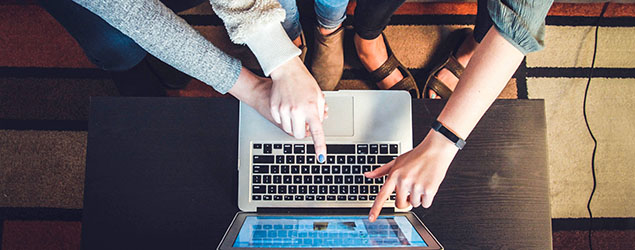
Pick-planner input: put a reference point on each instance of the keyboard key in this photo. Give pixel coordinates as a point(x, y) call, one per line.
point(341, 197)
point(333, 189)
point(308, 179)
point(372, 197)
point(257, 146)
point(261, 169)
point(326, 169)
point(379, 180)
point(277, 179)
point(295, 169)
point(282, 189)
point(256, 197)
point(323, 189)
point(298, 148)
point(315, 169)
point(374, 148)
point(362, 149)
point(359, 179)
point(330, 159)
point(354, 189)
point(352, 197)
point(290, 159)
point(357, 169)
point(341, 159)
point(287, 179)
point(297, 179)
point(363, 197)
point(340, 149)
point(350, 159)
point(310, 159)
point(368, 180)
point(277, 146)
point(363, 189)
point(343, 189)
point(317, 179)
point(393, 197)
point(299, 159)
point(266, 197)
point(266, 149)
point(292, 189)
point(271, 189)
point(348, 179)
point(330, 197)
point(275, 169)
point(263, 159)
point(374, 189)
point(328, 179)
point(394, 149)
point(310, 197)
point(366, 168)
point(284, 169)
point(335, 169)
point(288, 197)
point(361, 159)
point(371, 159)
point(256, 179)
point(287, 148)
point(385, 159)
point(277, 197)
point(320, 197)
point(312, 189)
point(258, 189)
point(299, 197)
point(266, 179)
point(306, 169)
point(383, 149)
point(338, 179)
point(346, 169)
point(310, 149)
point(279, 159)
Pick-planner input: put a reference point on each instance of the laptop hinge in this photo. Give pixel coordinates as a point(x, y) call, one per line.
point(283, 210)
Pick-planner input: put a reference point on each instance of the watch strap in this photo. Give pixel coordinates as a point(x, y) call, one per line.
point(439, 127)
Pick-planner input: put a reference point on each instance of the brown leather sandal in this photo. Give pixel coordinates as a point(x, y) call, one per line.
point(450, 63)
point(407, 83)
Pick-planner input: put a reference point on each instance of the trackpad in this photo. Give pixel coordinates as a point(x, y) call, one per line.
point(340, 121)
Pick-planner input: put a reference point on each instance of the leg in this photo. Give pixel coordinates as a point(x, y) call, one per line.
point(371, 18)
point(327, 63)
point(291, 23)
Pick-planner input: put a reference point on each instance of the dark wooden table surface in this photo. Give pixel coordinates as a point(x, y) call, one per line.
point(162, 174)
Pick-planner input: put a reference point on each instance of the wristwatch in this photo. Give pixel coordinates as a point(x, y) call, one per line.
point(458, 141)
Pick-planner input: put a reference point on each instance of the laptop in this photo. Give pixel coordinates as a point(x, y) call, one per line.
point(290, 201)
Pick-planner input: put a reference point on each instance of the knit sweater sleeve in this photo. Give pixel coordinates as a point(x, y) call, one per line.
point(258, 24)
point(168, 37)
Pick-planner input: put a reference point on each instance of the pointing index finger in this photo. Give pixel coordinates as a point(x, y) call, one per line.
point(381, 198)
point(317, 134)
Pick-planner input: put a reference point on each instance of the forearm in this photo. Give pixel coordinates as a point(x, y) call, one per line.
point(494, 62)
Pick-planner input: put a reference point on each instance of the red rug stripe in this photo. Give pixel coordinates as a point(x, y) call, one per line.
point(30, 37)
point(37, 235)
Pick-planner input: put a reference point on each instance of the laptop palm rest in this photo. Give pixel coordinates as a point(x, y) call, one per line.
point(340, 118)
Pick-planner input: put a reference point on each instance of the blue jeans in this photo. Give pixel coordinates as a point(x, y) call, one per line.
point(329, 13)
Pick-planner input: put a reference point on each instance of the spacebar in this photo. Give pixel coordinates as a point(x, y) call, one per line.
point(334, 149)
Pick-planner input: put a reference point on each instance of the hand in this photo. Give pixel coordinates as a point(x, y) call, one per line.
point(297, 101)
point(415, 175)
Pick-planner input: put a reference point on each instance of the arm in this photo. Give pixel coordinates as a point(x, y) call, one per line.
point(296, 100)
point(421, 171)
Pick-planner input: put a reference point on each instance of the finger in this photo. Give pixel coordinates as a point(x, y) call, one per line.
point(426, 200)
point(403, 190)
point(317, 134)
point(285, 118)
point(275, 113)
point(321, 107)
point(381, 198)
point(415, 195)
point(380, 171)
point(298, 120)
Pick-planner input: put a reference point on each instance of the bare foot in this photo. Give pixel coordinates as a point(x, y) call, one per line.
point(298, 41)
point(463, 55)
point(373, 54)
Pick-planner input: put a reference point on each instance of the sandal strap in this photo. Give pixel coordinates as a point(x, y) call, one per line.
point(453, 65)
point(385, 69)
point(407, 83)
point(439, 87)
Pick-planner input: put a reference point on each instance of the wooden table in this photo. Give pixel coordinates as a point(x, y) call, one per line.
point(162, 174)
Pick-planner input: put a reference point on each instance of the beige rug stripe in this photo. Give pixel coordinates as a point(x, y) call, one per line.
point(610, 108)
point(42, 168)
point(571, 46)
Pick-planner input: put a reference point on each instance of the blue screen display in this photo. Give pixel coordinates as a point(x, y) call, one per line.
point(327, 231)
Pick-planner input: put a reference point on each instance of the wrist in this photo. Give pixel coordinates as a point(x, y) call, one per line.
point(437, 143)
point(286, 68)
point(246, 88)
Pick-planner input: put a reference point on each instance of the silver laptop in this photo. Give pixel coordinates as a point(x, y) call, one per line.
point(289, 200)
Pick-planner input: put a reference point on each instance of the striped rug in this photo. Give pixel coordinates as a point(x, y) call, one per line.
point(45, 83)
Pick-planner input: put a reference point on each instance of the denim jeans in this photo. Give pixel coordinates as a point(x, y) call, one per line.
point(329, 13)
point(104, 45)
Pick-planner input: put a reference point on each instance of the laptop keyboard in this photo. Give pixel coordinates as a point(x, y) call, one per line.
point(290, 172)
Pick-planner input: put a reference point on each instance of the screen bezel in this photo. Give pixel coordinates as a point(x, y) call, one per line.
point(232, 232)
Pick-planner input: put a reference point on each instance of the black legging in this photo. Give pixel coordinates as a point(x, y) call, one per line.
point(372, 16)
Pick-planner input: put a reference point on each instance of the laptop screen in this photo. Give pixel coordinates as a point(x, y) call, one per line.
point(327, 232)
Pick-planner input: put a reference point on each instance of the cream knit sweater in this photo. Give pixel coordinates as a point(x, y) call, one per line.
point(256, 23)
